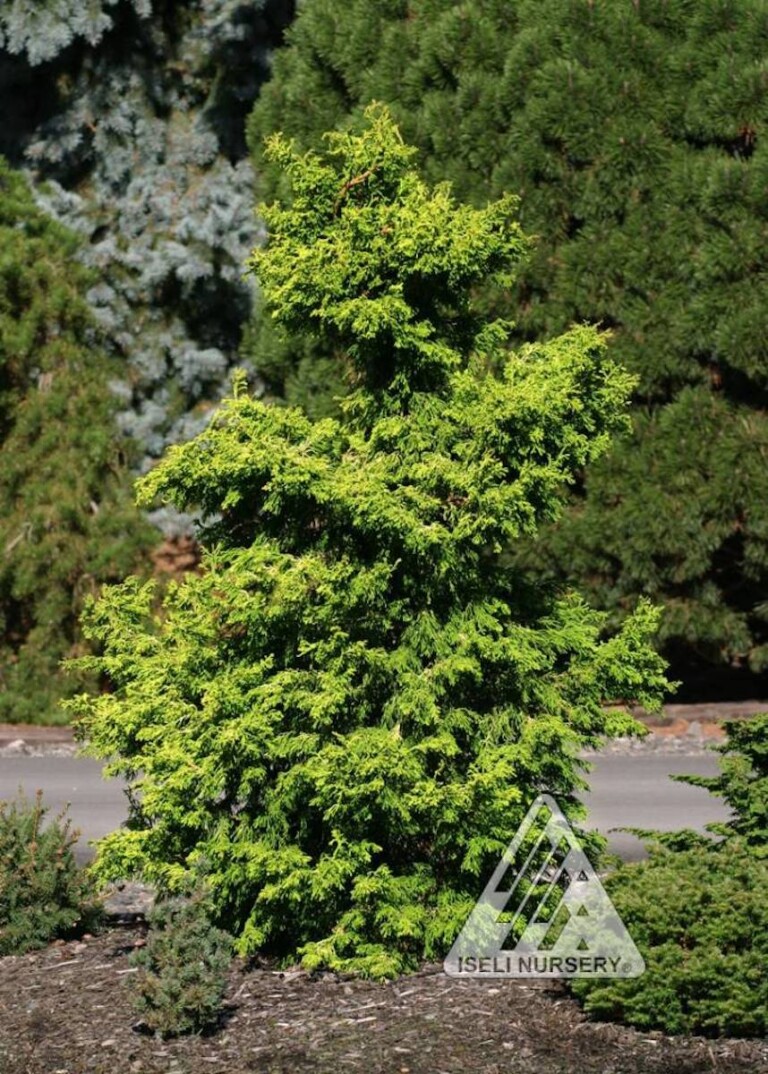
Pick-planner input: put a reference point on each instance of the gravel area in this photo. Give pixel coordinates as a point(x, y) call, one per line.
point(694, 740)
point(19, 747)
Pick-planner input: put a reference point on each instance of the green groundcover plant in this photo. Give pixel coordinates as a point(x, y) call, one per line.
point(347, 712)
point(698, 910)
point(43, 891)
point(700, 919)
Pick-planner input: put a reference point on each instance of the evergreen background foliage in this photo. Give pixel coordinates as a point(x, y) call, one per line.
point(122, 293)
point(129, 118)
point(67, 518)
point(635, 137)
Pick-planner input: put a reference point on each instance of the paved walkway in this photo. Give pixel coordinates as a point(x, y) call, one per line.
point(628, 788)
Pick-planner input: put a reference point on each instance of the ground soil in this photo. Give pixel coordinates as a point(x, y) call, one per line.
point(66, 1010)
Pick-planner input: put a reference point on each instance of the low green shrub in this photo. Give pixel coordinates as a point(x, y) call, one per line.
point(742, 783)
point(43, 892)
point(183, 968)
point(700, 920)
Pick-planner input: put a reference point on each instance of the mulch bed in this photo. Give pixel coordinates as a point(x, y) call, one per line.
point(66, 1010)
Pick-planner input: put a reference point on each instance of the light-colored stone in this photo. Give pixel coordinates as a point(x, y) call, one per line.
point(18, 746)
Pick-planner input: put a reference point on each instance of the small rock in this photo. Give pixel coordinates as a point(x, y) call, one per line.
point(128, 900)
point(18, 746)
point(109, 1043)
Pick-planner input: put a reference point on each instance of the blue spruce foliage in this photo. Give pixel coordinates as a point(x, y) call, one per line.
point(131, 132)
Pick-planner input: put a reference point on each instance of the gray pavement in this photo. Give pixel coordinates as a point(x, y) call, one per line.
point(634, 791)
point(97, 806)
point(627, 789)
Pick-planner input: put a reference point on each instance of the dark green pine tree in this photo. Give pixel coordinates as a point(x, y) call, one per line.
point(635, 135)
point(67, 521)
point(346, 714)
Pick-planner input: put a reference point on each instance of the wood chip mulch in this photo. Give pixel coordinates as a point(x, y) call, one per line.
point(66, 1010)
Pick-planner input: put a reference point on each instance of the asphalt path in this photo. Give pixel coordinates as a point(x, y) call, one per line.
point(634, 790)
point(97, 806)
point(627, 790)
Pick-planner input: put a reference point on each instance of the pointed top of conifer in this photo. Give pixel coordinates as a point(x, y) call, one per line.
point(380, 263)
